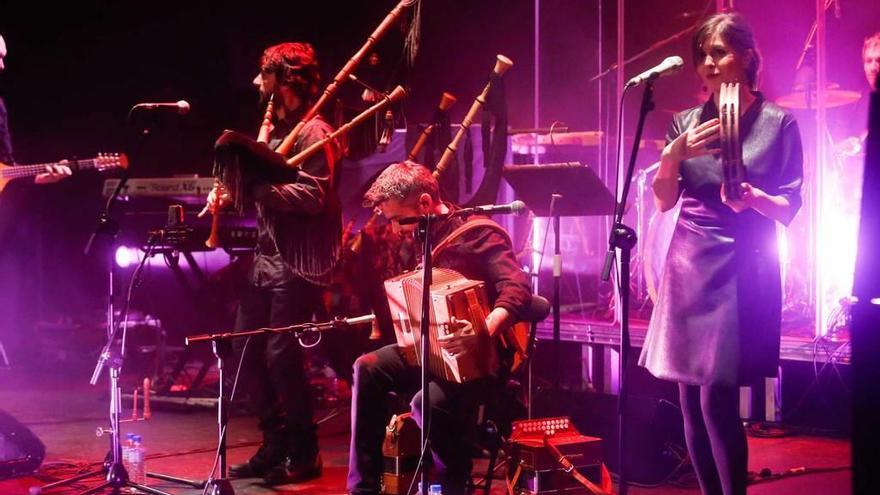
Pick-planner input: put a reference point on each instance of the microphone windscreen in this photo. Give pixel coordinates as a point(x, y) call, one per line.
point(175, 216)
point(360, 320)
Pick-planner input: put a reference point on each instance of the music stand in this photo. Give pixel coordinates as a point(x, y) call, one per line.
point(554, 190)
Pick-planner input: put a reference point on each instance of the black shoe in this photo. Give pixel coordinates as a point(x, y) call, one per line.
point(291, 471)
point(257, 466)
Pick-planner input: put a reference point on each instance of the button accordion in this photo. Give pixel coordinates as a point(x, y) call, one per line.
point(452, 295)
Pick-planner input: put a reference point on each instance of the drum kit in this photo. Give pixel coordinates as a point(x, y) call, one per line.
point(801, 99)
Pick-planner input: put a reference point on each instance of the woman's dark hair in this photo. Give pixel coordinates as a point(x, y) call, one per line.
point(737, 33)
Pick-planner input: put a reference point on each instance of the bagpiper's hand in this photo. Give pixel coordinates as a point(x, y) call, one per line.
point(218, 198)
point(54, 173)
point(748, 194)
point(460, 341)
point(694, 141)
point(370, 96)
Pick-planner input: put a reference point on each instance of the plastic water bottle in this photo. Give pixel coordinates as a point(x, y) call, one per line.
point(435, 490)
point(138, 470)
point(126, 451)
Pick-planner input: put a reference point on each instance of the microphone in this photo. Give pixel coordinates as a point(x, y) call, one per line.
point(181, 107)
point(670, 65)
point(357, 320)
point(174, 233)
point(515, 207)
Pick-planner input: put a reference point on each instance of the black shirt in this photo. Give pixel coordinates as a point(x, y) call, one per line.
point(299, 222)
point(5, 139)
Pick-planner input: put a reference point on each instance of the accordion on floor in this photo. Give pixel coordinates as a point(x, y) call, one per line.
point(452, 295)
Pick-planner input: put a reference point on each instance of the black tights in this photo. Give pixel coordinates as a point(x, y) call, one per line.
point(715, 436)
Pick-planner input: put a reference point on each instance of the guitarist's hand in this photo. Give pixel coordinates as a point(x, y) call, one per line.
point(53, 173)
point(218, 198)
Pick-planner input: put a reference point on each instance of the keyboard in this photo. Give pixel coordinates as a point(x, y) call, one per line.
point(186, 189)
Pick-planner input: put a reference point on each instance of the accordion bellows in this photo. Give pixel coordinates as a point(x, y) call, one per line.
point(452, 295)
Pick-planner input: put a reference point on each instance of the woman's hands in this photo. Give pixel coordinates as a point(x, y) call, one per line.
point(749, 196)
point(694, 141)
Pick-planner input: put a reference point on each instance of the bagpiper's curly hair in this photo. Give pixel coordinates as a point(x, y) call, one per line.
point(295, 65)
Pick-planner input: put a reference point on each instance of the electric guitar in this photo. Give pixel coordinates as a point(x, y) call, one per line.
point(101, 163)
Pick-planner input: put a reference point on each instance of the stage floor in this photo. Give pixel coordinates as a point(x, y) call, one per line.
point(64, 411)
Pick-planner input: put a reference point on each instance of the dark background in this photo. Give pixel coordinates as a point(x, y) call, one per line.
point(76, 68)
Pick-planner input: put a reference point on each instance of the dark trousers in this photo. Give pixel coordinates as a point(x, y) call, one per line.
point(453, 416)
point(715, 437)
point(273, 367)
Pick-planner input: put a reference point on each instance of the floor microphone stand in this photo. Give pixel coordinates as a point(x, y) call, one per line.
point(113, 468)
point(222, 346)
point(557, 289)
point(624, 238)
point(116, 475)
point(424, 231)
point(219, 485)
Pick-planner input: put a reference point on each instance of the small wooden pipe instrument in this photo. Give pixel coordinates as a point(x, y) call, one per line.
point(213, 240)
point(502, 63)
point(397, 94)
point(287, 144)
point(446, 101)
point(266, 126)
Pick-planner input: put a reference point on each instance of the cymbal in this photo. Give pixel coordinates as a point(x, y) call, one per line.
point(833, 98)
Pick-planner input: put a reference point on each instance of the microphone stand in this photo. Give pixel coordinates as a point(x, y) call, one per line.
point(222, 347)
point(424, 231)
point(624, 238)
point(116, 474)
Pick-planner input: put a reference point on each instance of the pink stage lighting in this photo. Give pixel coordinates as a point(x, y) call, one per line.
point(127, 256)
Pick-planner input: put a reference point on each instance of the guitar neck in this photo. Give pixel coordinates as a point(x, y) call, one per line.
point(18, 171)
